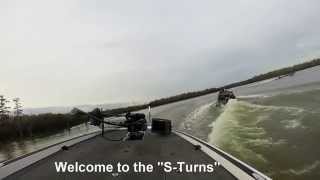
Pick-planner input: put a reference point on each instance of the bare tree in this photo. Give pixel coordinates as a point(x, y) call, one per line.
point(4, 109)
point(17, 114)
point(17, 107)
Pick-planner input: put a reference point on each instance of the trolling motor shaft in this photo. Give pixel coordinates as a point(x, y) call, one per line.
point(135, 123)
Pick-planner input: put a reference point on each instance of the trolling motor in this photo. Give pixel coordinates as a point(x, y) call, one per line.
point(135, 123)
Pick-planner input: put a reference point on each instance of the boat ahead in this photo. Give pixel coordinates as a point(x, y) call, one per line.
point(224, 96)
point(155, 153)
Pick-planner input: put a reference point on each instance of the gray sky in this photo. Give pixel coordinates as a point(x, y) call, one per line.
point(59, 53)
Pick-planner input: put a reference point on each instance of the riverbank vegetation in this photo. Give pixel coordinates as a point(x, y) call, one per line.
point(34, 125)
point(29, 125)
point(16, 125)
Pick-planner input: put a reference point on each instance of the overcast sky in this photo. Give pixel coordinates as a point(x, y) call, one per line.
point(71, 52)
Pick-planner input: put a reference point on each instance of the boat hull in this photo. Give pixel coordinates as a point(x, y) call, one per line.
point(154, 148)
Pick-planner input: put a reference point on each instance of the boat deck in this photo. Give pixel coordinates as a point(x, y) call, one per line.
point(101, 150)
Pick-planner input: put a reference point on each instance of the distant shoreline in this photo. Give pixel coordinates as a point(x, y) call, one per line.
point(50, 123)
point(279, 73)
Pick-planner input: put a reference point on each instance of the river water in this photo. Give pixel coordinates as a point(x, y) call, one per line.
point(274, 126)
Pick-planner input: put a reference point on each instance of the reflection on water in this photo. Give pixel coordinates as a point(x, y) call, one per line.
point(18, 148)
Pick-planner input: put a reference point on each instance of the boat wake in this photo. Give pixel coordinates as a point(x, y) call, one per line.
point(276, 132)
point(239, 129)
point(304, 170)
point(197, 122)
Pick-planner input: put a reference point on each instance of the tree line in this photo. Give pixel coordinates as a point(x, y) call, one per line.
point(15, 125)
point(5, 109)
point(279, 73)
point(21, 125)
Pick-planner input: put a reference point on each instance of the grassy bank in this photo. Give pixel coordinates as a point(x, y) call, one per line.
point(35, 125)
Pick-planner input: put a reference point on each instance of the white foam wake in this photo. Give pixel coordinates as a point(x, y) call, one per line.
point(238, 129)
point(303, 170)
